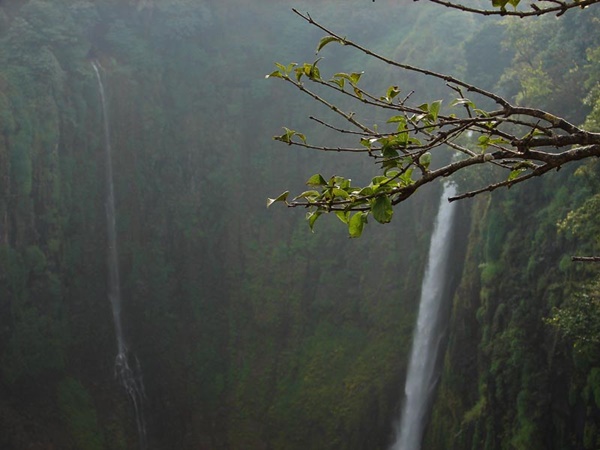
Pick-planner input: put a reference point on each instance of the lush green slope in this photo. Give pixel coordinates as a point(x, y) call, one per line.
point(513, 378)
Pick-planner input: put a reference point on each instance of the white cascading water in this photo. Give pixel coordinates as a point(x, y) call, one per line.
point(421, 376)
point(130, 379)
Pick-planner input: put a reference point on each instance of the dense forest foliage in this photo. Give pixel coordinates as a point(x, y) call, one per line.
point(251, 331)
point(524, 325)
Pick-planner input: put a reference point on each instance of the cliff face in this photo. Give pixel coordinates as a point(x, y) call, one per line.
point(521, 365)
point(511, 379)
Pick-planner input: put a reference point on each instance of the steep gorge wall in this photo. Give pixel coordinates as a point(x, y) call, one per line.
point(510, 379)
point(518, 372)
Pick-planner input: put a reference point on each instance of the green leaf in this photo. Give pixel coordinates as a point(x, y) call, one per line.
point(434, 109)
point(309, 70)
point(275, 74)
point(308, 195)
point(483, 141)
point(314, 74)
point(366, 191)
point(340, 193)
point(389, 152)
point(396, 119)
point(339, 81)
point(305, 69)
point(406, 177)
point(515, 173)
point(344, 216)
point(342, 183)
point(499, 3)
point(402, 139)
point(301, 136)
point(414, 141)
point(312, 217)
point(379, 179)
point(390, 94)
point(366, 142)
point(356, 224)
point(327, 40)
point(342, 75)
point(425, 160)
point(382, 209)
point(462, 101)
point(407, 161)
point(288, 135)
point(316, 180)
point(281, 198)
point(355, 76)
point(285, 70)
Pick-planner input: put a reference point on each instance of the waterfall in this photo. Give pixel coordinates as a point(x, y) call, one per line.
point(130, 379)
point(421, 376)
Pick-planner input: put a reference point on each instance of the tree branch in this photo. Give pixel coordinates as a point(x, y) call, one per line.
point(558, 7)
point(447, 78)
point(526, 142)
point(585, 258)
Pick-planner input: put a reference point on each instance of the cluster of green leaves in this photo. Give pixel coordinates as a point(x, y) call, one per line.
point(353, 204)
point(397, 152)
point(313, 73)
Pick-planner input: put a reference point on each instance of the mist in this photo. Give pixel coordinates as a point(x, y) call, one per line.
point(238, 326)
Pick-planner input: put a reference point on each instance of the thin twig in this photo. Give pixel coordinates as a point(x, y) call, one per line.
point(446, 78)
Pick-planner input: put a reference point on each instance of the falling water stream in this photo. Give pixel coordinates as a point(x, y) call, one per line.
point(130, 379)
point(421, 376)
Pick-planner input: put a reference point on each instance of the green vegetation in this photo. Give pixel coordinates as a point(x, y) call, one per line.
point(75, 405)
point(528, 316)
point(251, 331)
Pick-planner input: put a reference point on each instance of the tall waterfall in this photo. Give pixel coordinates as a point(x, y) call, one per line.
point(130, 379)
point(421, 376)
